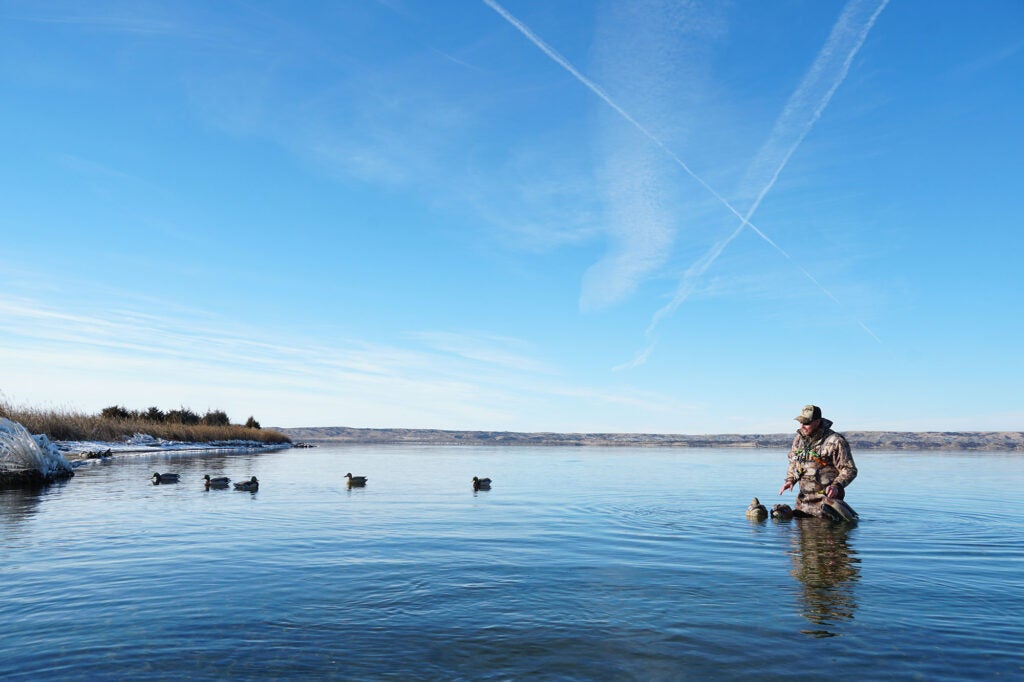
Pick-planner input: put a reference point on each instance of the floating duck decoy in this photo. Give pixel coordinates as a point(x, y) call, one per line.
point(783, 512)
point(159, 478)
point(757, 511)
point(355, 481)
point(216, 481)
point(252, 485)
point(481, 483)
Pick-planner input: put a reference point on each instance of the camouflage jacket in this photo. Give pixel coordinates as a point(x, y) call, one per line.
point(819, 460)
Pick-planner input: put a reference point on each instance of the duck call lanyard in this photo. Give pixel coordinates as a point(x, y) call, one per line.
point(808, 455)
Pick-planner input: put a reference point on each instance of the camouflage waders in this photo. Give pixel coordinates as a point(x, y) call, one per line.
point(817, 461)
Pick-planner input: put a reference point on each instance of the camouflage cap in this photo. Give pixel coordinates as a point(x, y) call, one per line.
point(810, 413)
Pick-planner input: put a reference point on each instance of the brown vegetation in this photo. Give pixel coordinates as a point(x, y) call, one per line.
point(116, 424)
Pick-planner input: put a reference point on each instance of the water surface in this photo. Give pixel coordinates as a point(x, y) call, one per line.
point(580, 563)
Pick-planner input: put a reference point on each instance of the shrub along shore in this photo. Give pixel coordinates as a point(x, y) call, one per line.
point(117, 424)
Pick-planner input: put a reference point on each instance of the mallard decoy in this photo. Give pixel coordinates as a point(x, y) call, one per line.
point(355, 481)
point(757, 511)
point(780, 511)
point(159, 478)
point(252, 485)
point(481, 483)
point(217, 481)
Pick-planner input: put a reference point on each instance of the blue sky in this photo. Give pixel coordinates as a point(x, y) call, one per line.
point(685, 217)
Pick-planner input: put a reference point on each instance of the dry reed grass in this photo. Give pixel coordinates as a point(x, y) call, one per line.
point(66, 424)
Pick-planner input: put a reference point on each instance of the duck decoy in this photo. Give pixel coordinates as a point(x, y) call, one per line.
point(216, 481)
point(159, 478)
point(481, 483)
point(252, 485)
point(757, 511)
point(837, 510)
point(355, 481)
point(780, 511)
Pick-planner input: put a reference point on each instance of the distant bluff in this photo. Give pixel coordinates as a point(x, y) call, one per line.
point(859, 440)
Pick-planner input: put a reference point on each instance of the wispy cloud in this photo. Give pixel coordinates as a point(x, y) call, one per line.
point(989, 60)
point(536, 201)
point(488, 349)
point(439, 379)
point(828, 72)
point(372, 121)
point(802, 111)
point(117, 24)
point(640, 224)
point(104, 179)
point(597, 90)
point(641, 229)
point(653, 54)
point(128, 18)
point(456, 60)
point(401, 120)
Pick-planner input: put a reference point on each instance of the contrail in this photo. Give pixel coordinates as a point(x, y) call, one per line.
point(710, 257)
point(845, 31)
point(593, 87)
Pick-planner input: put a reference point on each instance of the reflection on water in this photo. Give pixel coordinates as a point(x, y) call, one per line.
point(653, 574)
point(828, 569)
point(18, 503)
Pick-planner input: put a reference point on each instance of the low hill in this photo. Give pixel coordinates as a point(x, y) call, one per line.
point(859, 440)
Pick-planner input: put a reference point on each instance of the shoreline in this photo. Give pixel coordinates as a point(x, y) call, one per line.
point(77, 454)
point(80, 454)
point(59, 460)
point(982, 441)
point(83, 453)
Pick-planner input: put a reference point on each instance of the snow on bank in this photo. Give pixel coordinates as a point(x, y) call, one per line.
point(85, 452)
point(25, 458)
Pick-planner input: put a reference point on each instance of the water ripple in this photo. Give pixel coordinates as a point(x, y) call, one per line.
point(417, 578)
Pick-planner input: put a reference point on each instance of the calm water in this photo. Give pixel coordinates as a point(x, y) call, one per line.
point(598, 564)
